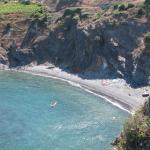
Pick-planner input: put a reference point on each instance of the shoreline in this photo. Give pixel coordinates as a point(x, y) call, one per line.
point(107, 98)
point(110, 92)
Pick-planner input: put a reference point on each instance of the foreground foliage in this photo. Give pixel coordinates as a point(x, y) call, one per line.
point(147, 37)
point(136, 133)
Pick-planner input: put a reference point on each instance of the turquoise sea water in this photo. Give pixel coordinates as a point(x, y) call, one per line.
point(80, 121)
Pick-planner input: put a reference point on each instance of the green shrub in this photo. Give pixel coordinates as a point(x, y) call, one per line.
point(130, 6)
point(78, 10)
point(122, 7)
point(147, 37)
point(116, 6)
point(77, 14)
point(140, 12)
point(76, 18)
point(84, 15)
point(40, 16)
point(136, 134)
point(68, 12)
point(72, 12)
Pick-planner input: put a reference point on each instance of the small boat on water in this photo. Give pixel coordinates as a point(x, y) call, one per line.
point(53, 104)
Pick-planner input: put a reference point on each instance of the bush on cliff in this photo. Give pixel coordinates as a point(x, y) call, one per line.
point(147, 37)
point(130, 6)
point(136, 133)
point(140, 12)
point(76, 14)
point(116, 6)
point(40, 16)
point(147, 42)
point(123, 6)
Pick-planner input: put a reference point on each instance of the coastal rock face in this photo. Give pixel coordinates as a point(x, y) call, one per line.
point(102, 47)
point(77, 49)
point(82, 49)
point(142, 71)
point(112, 45)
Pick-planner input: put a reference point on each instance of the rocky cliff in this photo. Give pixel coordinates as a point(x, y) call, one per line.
point(81, 39)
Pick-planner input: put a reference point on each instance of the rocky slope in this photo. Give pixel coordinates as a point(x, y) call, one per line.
point(81, 39)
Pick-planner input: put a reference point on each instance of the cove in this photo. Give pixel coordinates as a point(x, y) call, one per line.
point(80, 121)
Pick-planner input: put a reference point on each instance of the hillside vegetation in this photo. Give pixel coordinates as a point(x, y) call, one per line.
point(18, 7)
point(136, 133)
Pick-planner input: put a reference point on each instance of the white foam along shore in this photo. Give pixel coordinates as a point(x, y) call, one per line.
point(117, 92)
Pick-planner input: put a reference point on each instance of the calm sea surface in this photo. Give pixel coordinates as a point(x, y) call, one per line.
point(80, 121)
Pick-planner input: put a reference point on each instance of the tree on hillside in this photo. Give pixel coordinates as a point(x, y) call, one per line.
point(147, 2)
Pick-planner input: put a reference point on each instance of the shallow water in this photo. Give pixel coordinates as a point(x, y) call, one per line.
point(80, 121)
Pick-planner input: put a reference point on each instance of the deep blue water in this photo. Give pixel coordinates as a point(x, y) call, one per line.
point(80, 121)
